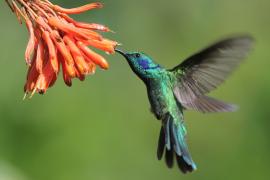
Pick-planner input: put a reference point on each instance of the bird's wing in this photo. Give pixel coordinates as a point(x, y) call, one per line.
point(205, 104)
point(206, 70)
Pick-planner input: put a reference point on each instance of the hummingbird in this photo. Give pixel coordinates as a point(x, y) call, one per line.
point(185, 87)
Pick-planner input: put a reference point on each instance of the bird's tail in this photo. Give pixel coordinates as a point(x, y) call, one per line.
point(172, 140)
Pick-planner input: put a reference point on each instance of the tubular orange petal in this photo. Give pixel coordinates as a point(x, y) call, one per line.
point(93, 26)
point(42, 23)
point(76, 53)
point(45, 78)
point(112, 43)
point(77, 10)
point(41, 84)
point(32, 76)
point(40, 57)
point(94, 57)
point(31, 43)
point(17, 11)
point(107, 46)
point(66, 77)
point(53, 80)
point(91, 34)
point(92, 66)
point(52, 51)
point(68, 28)
point(65, 53)
point(79, 75)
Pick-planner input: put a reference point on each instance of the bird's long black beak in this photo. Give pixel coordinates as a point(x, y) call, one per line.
point(121, 52)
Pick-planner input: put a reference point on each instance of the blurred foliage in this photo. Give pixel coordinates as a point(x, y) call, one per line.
point(102, 129)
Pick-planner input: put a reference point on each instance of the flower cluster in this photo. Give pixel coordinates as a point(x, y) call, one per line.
point(56, 40)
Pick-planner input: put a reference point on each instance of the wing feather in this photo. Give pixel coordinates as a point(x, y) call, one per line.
point(206, 70)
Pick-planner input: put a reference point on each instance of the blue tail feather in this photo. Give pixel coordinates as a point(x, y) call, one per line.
point(172, 139)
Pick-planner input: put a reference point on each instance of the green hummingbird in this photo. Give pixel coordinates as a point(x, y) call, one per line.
point(184, 87)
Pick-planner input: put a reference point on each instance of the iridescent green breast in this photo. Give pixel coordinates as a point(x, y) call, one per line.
point(161, 96)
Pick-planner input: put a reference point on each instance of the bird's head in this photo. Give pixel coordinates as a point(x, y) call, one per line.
point(140, 63)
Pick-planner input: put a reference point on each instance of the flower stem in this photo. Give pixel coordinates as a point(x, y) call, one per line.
point(9, 5)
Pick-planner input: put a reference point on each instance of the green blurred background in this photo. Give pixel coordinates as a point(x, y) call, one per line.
point(102, 129)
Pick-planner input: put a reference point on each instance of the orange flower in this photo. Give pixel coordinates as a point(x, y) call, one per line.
point(56, 40)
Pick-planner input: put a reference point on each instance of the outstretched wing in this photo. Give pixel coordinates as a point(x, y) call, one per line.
point(206, 70)
point(207, 104)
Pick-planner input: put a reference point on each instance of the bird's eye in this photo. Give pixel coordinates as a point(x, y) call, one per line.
point(137, 55)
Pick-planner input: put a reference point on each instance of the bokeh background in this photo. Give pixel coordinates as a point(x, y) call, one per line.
point(102, 129)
